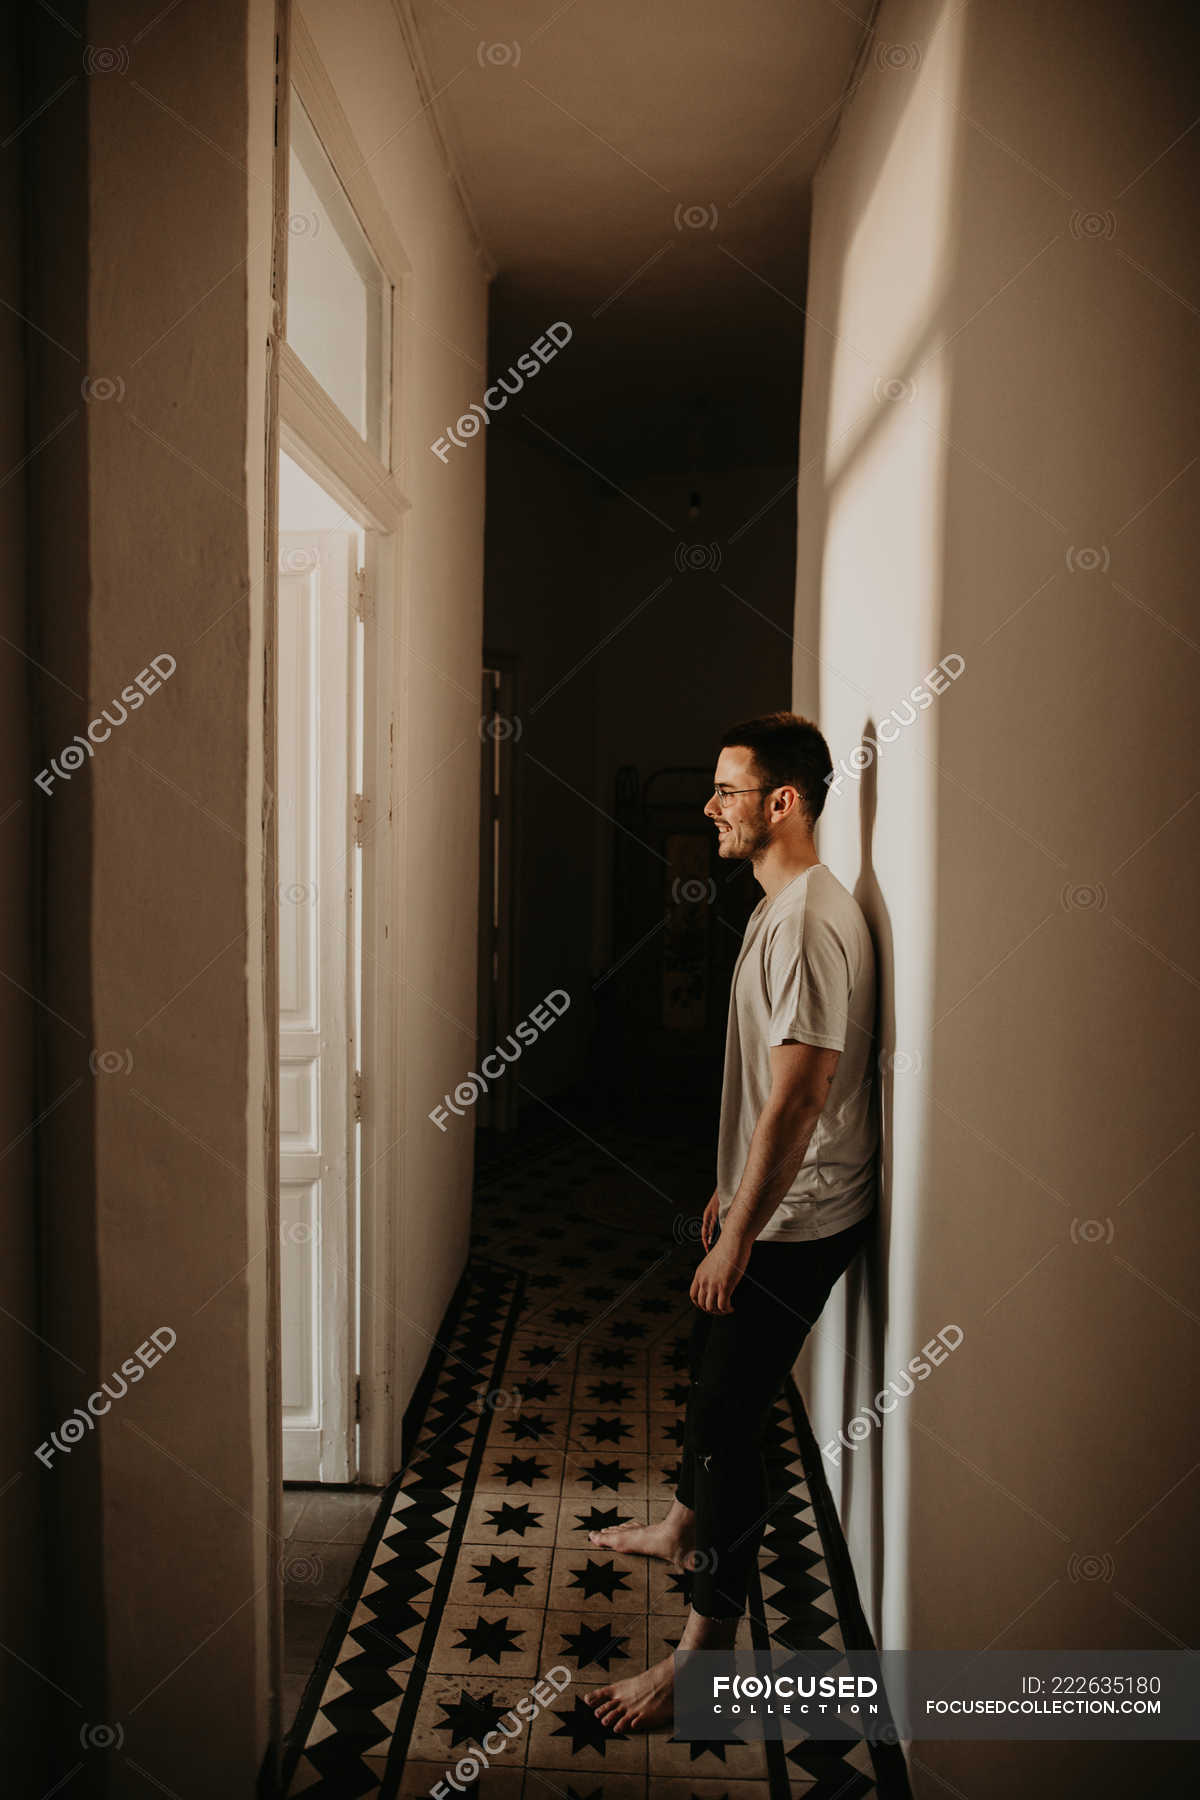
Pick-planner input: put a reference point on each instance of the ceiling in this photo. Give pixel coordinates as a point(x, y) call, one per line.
point(643, 172)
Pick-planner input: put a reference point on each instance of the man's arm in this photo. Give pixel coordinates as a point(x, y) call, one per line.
point(801, 1077)
point(710, 1219)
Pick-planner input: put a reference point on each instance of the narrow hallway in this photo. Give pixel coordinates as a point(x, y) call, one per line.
point(491, 499)
point(550, 1407)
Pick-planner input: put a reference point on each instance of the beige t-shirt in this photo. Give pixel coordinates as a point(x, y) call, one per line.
point(806, 973)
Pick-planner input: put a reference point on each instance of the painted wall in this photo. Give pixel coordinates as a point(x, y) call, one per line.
point(147, 538)
point(22, 1521)
point(147, 543)
point(997, 459)
point(439, 370)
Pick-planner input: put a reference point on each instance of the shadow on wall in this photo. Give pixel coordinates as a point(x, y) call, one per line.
point(866, 1296)
point(868, 623)
point(998, 460)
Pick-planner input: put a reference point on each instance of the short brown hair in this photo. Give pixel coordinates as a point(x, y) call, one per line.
point(789, 752)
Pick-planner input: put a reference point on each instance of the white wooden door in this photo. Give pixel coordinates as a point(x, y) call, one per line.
point(317, 1054)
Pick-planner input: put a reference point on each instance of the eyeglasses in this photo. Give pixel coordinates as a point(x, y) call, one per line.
point(723, 795)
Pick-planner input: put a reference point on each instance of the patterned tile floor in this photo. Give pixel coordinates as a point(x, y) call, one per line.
point(555, 1406)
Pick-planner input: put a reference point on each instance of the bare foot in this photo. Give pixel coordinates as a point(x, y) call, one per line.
point(662, 1540)
point(642, 1703)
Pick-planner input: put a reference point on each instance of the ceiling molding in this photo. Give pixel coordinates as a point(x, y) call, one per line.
point(853, 79)
point(319, 98)
point(406, 20)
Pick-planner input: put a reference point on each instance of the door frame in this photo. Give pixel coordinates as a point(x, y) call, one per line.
point(498, 938)
point(318, 436)
point(318, 663)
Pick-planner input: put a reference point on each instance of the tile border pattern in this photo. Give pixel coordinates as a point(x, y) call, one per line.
point(354, 1730)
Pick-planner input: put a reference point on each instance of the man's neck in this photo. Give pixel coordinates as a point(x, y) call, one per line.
point(781, 863)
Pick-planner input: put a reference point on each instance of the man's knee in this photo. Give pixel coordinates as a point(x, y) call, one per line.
point(723, 1428)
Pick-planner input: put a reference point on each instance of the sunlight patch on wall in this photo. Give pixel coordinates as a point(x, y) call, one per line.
point(882, 257)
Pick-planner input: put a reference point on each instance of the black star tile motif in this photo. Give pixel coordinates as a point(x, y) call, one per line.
point(679, 1581)
point(527, 1426)
point(537, 1387)
point(598, 1518)
point(608, 1431)
point(522, 1471)
point(584, 1730)
point(548, 1291)
point(711, 1746)
point(671, 1475)
point(606, 1474)
point(492, 1638)
point(502, 1575)
point(610, 1393)
point(599, 1578)
point(514, 1518)
point(595, 1646)
point(468, 1717)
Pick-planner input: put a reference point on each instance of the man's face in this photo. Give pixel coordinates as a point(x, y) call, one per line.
point(742, 827)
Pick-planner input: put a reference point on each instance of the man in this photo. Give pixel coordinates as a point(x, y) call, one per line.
point(795, 1180)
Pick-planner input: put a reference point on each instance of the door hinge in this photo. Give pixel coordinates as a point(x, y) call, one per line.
point(358, 1096)
point(362, 594)
point(357, 1397)
point(360, 819)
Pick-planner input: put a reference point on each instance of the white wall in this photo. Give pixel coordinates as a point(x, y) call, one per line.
point(997, 236)
point(159, 1017)
point(440, 358)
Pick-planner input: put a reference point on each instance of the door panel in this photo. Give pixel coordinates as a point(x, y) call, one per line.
point(317, 743)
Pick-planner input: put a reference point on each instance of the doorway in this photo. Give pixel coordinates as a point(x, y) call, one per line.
point(321, 660)
point(499, 731)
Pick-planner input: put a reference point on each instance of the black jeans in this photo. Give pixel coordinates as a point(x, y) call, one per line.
point(738, 1363)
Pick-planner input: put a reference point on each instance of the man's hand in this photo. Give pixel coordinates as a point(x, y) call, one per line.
point(718, 1275)
point(710, 1221)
